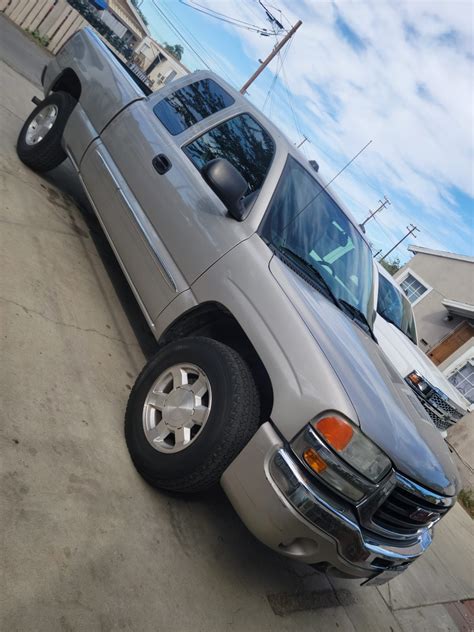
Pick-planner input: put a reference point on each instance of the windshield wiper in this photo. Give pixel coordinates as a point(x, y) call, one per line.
point(353, 311)
point(357, 314)
point(312, 272)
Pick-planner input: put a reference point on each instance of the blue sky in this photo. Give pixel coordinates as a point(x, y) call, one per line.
point(397, 73)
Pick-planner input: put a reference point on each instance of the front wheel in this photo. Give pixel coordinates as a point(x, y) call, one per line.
point(191, 411)
point(39, 142)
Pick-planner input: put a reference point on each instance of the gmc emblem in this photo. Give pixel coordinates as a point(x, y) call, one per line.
point(422, 515)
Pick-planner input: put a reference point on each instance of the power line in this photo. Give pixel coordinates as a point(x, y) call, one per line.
point(280, 62)
point(385, 231)
point(269, 58)
point(280, 66)
point(301, 143)
point(252, 6)
point(324, 188)
point(198, 44)
point(179, 34)
point(226, 18)
point(289, 98)
point(411, 231)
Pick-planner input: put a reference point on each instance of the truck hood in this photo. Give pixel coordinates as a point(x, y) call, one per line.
point(407, 357)
point(388, 412)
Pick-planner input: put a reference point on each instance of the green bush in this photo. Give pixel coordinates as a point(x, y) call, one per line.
point(41, 39)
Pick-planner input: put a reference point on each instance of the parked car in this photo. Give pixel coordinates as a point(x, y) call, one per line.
point(395, 330)
point(258, 286)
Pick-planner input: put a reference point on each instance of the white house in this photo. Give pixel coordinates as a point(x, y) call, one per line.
point(160, 66)
point(440, 286)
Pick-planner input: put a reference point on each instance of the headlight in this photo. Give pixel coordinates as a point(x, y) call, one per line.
point(354, 447)
point(416, 380)
point(338, 452)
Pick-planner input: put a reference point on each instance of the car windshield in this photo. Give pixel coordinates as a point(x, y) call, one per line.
point(396, 308)
point(303, 221)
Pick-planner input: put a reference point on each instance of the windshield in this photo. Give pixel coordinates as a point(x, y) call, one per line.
point(396, 308)
point(304, 220)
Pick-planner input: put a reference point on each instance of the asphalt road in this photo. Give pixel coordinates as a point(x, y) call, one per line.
point(85, 544)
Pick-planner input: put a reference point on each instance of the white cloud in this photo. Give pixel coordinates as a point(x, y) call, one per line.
point(405, 81)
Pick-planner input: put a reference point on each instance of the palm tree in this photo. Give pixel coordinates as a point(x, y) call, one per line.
point(176, 50)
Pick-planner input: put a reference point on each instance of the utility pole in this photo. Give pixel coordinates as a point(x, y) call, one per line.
point(411, 231)
point(305, 138)
point(268, 59)
point(377, 210)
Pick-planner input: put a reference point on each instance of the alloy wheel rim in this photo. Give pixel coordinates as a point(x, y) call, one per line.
point(40, 126)
point(177, 408)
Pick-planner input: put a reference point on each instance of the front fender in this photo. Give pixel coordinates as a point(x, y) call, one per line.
point(303, 382)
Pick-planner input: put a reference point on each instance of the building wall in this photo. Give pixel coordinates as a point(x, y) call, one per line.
point(166, 71)
point(169, 68)
point(124, 12)
point(117, 27)
point(447, 278)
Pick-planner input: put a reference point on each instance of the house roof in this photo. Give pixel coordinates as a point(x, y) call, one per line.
point(129, 14)
point(458, 309)
point(439, 253)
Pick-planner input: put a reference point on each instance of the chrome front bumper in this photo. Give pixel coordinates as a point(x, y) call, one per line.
point(289, 512)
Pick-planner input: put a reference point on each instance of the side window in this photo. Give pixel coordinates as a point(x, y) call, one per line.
point(243, 142)
point(389, 300)
point(191, 104)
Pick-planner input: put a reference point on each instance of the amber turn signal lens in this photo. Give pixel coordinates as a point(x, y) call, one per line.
point(314, 461)
point(414, 378)
point(336, 431)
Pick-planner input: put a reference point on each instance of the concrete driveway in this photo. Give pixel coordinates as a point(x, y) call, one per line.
point(86, 545)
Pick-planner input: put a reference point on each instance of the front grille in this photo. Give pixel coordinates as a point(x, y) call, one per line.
point(439, 420)
point(440, 403)
point(439, 408)
point(405, 513)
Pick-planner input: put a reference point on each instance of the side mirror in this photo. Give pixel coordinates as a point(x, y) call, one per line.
point(228, 184)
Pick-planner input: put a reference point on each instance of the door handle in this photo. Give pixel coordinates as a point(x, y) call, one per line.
point(162, 163)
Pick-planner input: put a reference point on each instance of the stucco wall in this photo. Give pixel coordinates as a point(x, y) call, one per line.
point(160, 71)
point(448, 278)
point(146, 53)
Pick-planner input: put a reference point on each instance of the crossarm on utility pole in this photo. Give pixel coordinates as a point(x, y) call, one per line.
point(410, 231)
point(377, 210)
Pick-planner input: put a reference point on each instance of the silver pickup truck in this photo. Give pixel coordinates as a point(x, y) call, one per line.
point(258, 286)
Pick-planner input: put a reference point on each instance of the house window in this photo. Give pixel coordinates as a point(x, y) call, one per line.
point(463, 380)
point(414, 289)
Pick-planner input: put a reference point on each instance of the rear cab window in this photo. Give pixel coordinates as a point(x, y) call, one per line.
point(189, 105)
point(240, 139)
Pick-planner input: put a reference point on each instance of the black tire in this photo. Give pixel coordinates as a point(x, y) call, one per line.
point(232, 421)
point(47, 153)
